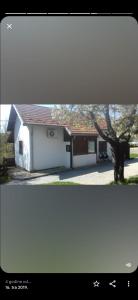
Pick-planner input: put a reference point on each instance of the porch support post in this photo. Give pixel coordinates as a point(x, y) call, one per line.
point(31, 149)
point(71, 152)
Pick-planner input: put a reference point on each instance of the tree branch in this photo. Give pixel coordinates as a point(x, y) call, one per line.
point(130, 123)
point(108, 121)
point(100, 131)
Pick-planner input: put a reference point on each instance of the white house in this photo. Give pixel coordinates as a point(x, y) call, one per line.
point(41, 142)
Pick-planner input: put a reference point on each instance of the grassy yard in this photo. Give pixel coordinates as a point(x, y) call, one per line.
point(4, 179)
point(133, 155)
point(131, 180)
point(61, 183)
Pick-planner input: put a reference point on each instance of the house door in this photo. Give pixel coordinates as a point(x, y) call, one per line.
point(102, 147)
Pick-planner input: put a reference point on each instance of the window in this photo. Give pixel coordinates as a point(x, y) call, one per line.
point(102, 146)
point(91, 146)
point(80, 145)
point(84, 145)
point(21, 147)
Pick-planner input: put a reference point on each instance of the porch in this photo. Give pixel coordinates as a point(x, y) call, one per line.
point(88, 150)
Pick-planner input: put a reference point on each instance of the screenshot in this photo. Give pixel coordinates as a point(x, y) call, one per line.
point(69, 151)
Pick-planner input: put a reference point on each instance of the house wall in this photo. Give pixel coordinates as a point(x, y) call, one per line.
point(108, 148)
point(84, 160)
point(42, 152)
point(49, 152)
point(67, 156)
point(22, 133)
point(90, 159)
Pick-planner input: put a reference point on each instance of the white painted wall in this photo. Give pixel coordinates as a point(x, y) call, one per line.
point(22, 133)
point(67, 156)
point(49, 152)
point(108, 148)
point(84, 160)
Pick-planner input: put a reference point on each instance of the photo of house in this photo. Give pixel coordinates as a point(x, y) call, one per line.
point(69, 144)
point(41, 142)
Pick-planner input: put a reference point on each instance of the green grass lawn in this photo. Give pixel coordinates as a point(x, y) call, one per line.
point(61, 183)
point(130, 180)
point(133, 155)
point(4, 179)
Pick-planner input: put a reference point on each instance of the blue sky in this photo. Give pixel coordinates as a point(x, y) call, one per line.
point(4, 112)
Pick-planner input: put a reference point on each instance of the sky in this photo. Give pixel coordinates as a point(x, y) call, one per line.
point(4, 112)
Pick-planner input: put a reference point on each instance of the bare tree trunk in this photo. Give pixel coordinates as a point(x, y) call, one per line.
point(118, 156)
point(121, 171)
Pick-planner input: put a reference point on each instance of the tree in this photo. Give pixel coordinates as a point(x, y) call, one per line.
point(6, 148)
point(3, 126)
point(120, 121)
point(117, 135)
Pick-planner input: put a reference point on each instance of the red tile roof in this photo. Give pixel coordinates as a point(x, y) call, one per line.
point(41, 115)
point(34, 114)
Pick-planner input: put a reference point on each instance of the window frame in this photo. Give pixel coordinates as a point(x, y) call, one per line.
point(92, 141)
point(77, 140)
point(20, 147)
